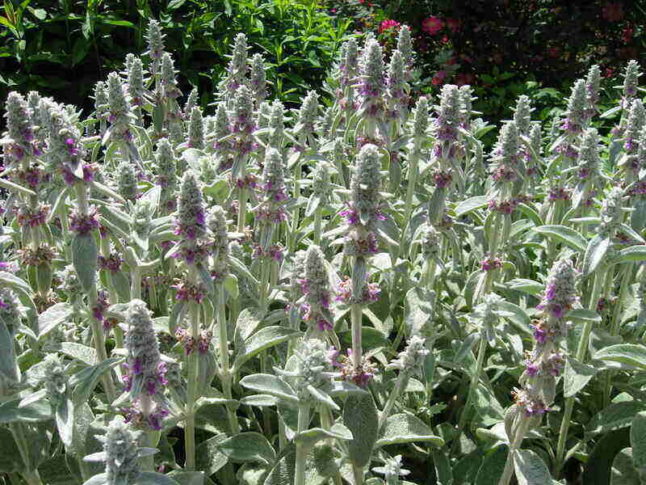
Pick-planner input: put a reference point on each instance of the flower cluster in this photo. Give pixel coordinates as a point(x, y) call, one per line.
point(145, 369)
point(271, 210)
point(190, 222)
point(560, 290)
point(84, 224)
point(360, 375)
point(370, 293)
point(316, 288)
point(411, 359)
point(191, 344)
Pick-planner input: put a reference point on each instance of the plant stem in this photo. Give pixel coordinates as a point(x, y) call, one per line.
point(356, 317)
point(317, 226)
point(475, 381)
point(518, 438)
point(400, 384)
point(225, 371)
point(191, 397)
point(301, 448)
point(30, 476)
point(582, 348)
point(624, 286)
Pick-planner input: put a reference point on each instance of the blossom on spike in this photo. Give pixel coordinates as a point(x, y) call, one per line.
point(20, 142)
point(405, 47)
point(127, 182)
point(523, 114)
point(420, 118)
point(307, 114)
point(238, 65)
point(145, 371)
point(612, 212)
point(396, 86)
point(220, 242)
point(371, 80)
point(121, 453)
point(190, 222)
point(276, 125)
point(271, 209)
point(575, 114)
point(411, 359)
point(560, 290)
point(636, 122)
point(155, 39)
point(258, 78)
point(196, 129)
point(166, 172)
point(589, 160)
point(631, 81)
point(349, 65)
point(316, 288)
point(241, 121)
point(448, 118)
point(592, 86)
point(167, 78)
point(135, 82)
point(466, 105)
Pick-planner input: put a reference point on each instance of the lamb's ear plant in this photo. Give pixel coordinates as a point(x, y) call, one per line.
point(349, 288)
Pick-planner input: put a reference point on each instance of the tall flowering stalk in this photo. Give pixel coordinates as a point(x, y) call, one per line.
point(446, 150)
point(612, 215)
point(372, 90)
point(217, 224)
point(192, 250)
point(67, 156)
point(144, 374)
point(545, 363)
point(270, 213)
point(362, 216)
point(241, 127)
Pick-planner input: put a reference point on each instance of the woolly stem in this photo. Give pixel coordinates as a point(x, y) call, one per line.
point(225, 372)
point(519, 436)
point(301, 449)
point(191, 397)
point(581, 350)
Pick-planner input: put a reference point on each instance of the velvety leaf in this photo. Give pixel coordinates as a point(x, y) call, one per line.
point(208, 457)
point(54, 316)
point(84, 259)
point(531, 469)
point(615, 416)
point(576, 376)
point(630, 354)
point(418, 309)
point(262, 340)
point(249, 446)
point(361, 418)
point(564, 234)
point(85, 380)
point(269, 384)
point(492, 467)
point(638, 440)
point(10, 412)
point(623, 471)
point(594, 253)
point(406, 428)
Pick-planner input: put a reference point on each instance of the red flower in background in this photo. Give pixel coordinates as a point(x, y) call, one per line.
point(388, 24)
point(627, 34)
point(432, 25)
point(439, 78)
point(613, 11)
point(453, 25)
point(554, 52)
point(464, 78)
